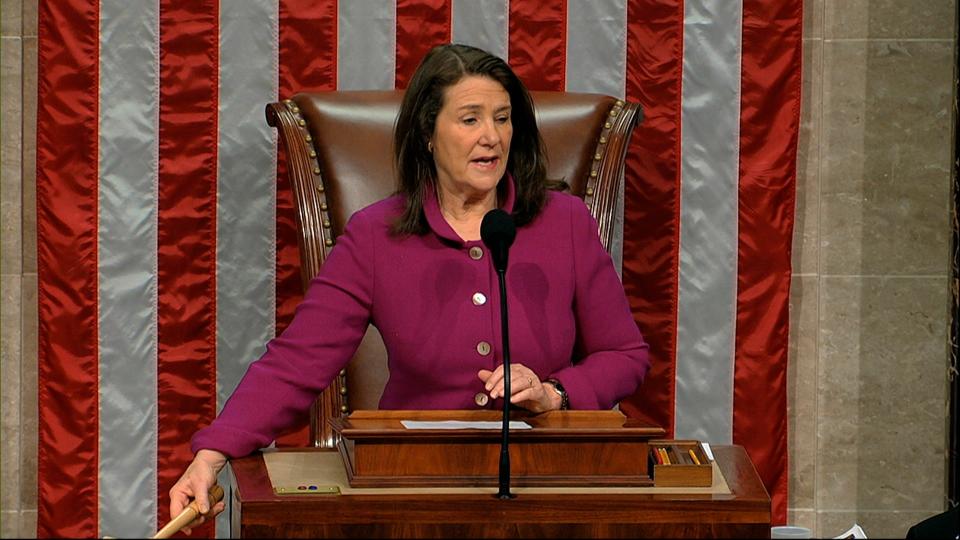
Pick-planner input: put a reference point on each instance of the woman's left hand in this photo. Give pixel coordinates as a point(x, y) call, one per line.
point(527, 390)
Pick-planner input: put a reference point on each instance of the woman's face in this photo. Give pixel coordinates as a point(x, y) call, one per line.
point(471, 139)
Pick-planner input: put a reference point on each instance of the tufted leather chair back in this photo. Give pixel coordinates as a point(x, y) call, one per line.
point(339, 156)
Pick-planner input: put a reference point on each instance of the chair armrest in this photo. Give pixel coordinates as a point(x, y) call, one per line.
point(316, 236)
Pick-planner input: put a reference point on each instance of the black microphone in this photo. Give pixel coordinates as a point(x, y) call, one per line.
point(498, 231)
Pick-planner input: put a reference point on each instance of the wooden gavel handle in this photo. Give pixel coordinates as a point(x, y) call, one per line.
point(189, 514)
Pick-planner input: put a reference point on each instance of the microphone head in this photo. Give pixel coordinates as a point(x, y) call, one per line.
point(498, 232)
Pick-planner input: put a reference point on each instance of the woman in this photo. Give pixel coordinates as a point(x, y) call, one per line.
point(466, 142)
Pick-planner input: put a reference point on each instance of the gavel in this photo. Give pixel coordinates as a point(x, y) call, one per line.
point(189, 514)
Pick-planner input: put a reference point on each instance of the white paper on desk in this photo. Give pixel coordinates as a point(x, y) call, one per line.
point(853, 532)
point(706, 450)
point(460, 424)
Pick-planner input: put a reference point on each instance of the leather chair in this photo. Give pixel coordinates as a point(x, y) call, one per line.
point(338, 149)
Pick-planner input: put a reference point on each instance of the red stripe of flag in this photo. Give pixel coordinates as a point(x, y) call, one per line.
point(421, 24)
point(67, 206)
point(651, 225)
point(186, 236)
point(538, 43)
point(305, 25)
point(769, 119)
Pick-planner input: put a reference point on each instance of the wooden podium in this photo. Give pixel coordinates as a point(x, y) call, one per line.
point(561, 448)
point(579, 474)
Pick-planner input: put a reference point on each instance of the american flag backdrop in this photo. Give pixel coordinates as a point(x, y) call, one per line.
point(167, 255)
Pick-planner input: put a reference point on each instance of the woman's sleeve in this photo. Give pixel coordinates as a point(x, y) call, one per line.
point(610, 356)
point(326, 329)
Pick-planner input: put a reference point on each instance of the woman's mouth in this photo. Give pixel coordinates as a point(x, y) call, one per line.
point(486, 162)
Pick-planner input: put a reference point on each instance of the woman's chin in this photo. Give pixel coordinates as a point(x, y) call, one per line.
point(485, 180)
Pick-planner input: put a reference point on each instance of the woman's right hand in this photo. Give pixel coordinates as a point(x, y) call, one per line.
point(528, 390)
point(195, 483)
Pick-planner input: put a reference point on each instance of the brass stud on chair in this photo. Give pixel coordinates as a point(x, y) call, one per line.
point(307, 137)
point(326, 224)
point(589, 191)
point(343, 373)
point(607, 125)
point(619, 103)
point(343, 390)
point(328, 242)
point(288, 101)
point(597, 156)
point(295, 109)
point(593, 173)
point(614, 112)
point(603, 140)
point(301, 122)
point(313, 153)
point(316, 170)
point(319, 188)
point(343, 408)
point(323, 206)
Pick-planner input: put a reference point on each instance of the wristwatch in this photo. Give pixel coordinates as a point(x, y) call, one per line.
point(559, 389)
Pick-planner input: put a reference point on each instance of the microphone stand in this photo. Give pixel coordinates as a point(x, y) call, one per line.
point(504, 492)
point(498, 231)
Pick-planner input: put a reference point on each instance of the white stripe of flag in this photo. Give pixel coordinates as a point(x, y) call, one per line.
point(127, 265)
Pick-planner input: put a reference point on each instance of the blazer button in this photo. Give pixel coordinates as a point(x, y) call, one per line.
point(483, 348)
point(481, 399)
point(476, 253)
point(479, 299)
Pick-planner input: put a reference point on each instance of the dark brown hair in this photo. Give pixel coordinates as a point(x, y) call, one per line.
point(442, 67)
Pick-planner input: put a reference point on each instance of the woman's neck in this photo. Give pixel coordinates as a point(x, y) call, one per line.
point(464, 212)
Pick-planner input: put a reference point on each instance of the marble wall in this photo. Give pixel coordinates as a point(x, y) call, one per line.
point(18, 269)
point(869, 310)
point(870, 299)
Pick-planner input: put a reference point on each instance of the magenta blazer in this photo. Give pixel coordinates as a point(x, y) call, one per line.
point(435, 300)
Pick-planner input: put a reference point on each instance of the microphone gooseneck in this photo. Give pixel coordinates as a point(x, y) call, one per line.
point(498, 232)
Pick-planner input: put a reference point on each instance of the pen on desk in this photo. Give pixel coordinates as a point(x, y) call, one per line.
point(693, 455)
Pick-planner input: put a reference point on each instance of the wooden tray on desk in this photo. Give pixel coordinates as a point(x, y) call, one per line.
point(563, 448)
point(681, 471)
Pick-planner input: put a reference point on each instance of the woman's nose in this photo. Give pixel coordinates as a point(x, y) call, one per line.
point(489, 136)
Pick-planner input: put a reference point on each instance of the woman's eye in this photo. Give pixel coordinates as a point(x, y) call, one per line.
point(503, 119)
point(469, 121)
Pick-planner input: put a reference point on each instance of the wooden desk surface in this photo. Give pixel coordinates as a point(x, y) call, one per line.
point(743, 513)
